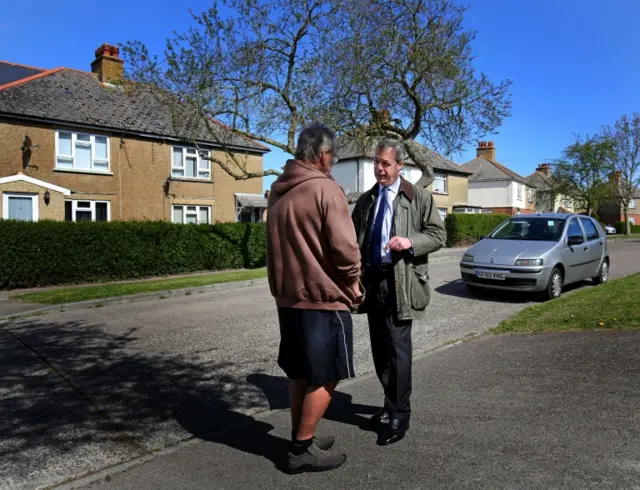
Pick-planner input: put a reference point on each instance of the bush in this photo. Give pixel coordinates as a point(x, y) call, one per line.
point(464, 229)
point(621, 227)
point(52, 252)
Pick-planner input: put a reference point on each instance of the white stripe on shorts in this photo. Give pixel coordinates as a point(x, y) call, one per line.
point(344, 339)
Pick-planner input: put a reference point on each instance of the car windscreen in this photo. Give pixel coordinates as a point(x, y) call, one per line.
point(521, 228)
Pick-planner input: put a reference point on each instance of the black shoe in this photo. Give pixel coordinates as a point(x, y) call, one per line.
point(313, 459)
point(393, 432)
point(379, 419)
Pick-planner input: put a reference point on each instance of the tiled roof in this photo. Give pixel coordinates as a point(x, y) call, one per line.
point(10, 72)
point(252, 200)
point(485, 170)
point(541, 181)
point(350, 148)
point(69, 96)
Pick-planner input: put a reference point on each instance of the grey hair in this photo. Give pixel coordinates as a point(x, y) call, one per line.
point(397, 146)
point(313, 140)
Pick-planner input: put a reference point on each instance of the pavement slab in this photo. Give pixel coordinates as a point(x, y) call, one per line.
point(514, 412)
point(48, 432)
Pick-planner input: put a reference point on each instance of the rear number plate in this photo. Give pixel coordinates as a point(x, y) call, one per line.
point(496, 276)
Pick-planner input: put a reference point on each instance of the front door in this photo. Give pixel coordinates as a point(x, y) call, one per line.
point(595, 247)
point(575, 256)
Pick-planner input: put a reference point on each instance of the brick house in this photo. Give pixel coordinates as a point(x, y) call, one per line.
point(494, 186)
point(613, 212)
point(80, 145)
point(354, 172)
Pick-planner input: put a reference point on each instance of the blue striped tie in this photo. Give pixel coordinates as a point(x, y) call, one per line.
point(376, 235)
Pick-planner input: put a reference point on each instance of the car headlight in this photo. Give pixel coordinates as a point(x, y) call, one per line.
point(467, 258)
point(528, 262)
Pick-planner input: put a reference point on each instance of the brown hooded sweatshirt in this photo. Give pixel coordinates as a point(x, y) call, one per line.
point(313, 257)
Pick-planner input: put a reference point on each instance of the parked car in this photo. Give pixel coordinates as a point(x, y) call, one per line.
point(609, 230)
point(540, 253)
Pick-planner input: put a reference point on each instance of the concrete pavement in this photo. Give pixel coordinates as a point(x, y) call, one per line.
point(125, 375)
point(513, 412)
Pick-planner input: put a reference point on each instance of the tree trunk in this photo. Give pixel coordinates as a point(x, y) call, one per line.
point(627, 225)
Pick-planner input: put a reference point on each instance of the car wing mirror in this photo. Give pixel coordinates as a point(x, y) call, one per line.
point(575, 240)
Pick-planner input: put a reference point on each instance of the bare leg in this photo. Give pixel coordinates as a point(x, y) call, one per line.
point(315, 404)
point(297, 391)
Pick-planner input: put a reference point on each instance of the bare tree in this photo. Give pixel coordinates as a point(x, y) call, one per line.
point(367, 68)
point(625, 162)
point(581, 172)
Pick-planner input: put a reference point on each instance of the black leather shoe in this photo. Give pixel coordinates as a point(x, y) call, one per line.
point(393, 432)
point(379, 419)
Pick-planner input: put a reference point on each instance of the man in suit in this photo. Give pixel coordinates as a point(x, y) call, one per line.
point(397, 225)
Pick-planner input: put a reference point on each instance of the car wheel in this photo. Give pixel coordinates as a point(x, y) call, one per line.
point(603, 273)
point(554, 287)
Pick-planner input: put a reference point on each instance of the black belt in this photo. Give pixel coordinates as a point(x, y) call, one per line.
point(382, 267)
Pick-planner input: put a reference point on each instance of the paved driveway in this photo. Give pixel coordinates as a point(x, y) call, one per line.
point(86, 389)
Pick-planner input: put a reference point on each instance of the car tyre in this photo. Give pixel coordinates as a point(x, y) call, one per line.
point(554, 286)
point(603, 273)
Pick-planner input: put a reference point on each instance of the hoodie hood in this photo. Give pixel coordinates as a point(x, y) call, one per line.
point(295, 173)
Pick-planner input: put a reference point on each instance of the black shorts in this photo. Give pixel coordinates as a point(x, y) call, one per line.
point(316, 345)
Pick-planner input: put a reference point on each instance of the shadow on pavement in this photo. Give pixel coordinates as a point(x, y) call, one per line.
point(459, 289)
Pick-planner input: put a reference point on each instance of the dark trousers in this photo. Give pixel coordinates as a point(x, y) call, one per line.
point(390, 341)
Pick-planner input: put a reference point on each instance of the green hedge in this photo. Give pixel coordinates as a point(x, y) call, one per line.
point(52, 252)
point(621, 227)
point(464, 229)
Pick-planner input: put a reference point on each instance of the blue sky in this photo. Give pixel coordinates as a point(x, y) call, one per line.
point(573, 62)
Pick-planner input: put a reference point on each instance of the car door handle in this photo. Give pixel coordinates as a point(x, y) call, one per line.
point(586, 249)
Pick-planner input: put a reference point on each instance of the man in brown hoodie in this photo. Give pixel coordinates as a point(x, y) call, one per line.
point(313, 262)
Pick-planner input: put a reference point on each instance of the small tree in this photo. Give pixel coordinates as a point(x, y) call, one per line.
point(366, 68)
point(581, 172)
point(625, 162)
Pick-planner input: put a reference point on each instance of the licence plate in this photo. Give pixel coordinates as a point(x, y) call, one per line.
point(496, 276)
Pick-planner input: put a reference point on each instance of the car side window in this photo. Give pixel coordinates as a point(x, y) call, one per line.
point(590, 229)
point(574, 228)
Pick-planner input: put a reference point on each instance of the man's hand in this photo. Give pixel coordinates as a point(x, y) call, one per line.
point(399, 244)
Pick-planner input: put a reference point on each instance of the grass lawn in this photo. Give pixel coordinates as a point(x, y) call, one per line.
point(613, 305)
point(109, 290)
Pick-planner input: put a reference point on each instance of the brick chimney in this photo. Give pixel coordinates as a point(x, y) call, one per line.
point(486, 149)
point(108, 65)
point(544, 168)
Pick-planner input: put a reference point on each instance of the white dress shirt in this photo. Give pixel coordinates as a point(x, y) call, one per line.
point(391, 193)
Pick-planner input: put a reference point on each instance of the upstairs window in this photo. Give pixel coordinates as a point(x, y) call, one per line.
point(440, 183)
point(190, 163)
point(82, 152)
point(520, 186)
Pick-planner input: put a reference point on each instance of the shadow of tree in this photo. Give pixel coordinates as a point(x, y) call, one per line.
point(82, 386)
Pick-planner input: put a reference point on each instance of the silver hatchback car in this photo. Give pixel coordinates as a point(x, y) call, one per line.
point(540, 253)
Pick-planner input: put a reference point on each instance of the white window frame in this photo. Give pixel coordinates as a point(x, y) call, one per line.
point(189, 150)
point(184, 213)
point(92, 208)
point(445, 213)
point(441, 177)
point(530, 194)
point(5, 203)
point(72, 157)
point(520, 186)
point(632, 204)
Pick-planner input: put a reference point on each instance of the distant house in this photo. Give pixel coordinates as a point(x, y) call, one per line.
point(547, 198)
point(612, 212)
point(494, 186)
point(354, 172)
point(77, 146)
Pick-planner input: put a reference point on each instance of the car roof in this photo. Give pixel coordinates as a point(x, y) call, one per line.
point(545, 215)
